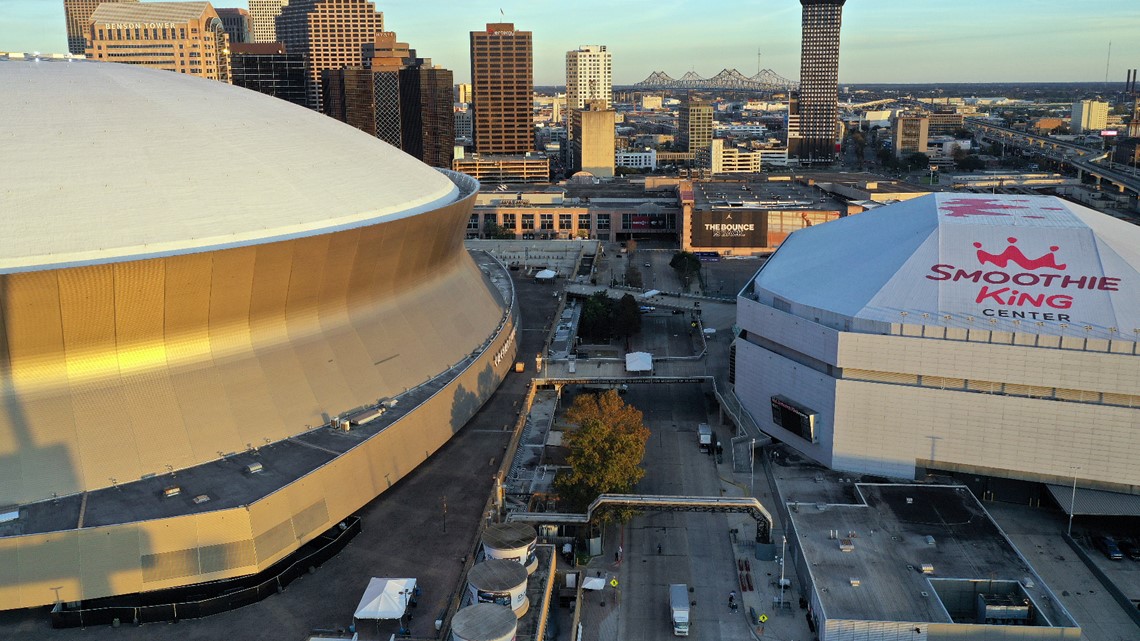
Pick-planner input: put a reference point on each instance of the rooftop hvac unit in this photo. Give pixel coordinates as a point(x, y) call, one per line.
point(928, 568)
point(855, 582)
point(201, 498)
point(845, 545)
point(253, 468)
point(929, 540)
point(172, 491)
point(390, 402)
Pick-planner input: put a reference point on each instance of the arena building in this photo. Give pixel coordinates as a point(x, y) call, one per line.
point(227, 323)
point(983, 335)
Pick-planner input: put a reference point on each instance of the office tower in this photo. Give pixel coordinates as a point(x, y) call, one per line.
point(463, 92)
point(463, 125)
point(588, 76)
point(78, 15)
point(263, 17)
point(161, 35)
point(237, 23)
point(397, 97)
point(268, 68)
point(695, 130)
point(330, 33)
point(1089, 115)
point(817, 109)
point(592, 139)
point(502, 85)
point(910, 134)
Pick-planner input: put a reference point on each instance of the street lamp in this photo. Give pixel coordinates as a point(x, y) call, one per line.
point(1073, 500)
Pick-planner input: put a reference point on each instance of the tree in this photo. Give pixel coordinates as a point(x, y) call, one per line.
point(606, 449)
point(491, 229)
point(627, 317)
point(596, 320)
point(917, 161)
point(687, 265)
point(632, 274)
point(970, 163)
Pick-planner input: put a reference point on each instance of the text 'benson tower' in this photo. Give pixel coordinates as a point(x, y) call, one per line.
point(816, 112)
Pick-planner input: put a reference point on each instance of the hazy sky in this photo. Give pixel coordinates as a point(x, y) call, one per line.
point(882, 40)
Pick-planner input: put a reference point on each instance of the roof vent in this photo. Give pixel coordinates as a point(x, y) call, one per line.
point(925, 594)
point(845, 545)
point(201, 498)
point(172, 491)
point(928, 568)
point(929, 540)
point(855, 582)
point(909, 501)
point(253, 468)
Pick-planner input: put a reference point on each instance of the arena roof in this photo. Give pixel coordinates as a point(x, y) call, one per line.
point(1035, 264)
point(97, 172)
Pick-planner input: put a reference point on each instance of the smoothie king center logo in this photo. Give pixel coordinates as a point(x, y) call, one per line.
point(999, 296)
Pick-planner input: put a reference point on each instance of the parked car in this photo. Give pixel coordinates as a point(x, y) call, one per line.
point(1107, 545)
point(1130, 549)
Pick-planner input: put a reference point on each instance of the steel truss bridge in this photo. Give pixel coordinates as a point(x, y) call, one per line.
point(766, 80)
point(658, 503)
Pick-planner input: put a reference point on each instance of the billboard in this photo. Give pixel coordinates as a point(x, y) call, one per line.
point(730, 228)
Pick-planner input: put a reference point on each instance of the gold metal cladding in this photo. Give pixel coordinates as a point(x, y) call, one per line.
point(121, 370)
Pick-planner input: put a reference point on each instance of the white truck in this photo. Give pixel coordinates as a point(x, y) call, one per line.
point(705, 437)
point(679, 609)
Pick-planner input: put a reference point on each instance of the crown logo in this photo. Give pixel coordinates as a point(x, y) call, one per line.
point(1013, 255)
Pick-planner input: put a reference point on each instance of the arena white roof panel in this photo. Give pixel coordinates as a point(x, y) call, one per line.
point(1034, 264)
point(95, 171)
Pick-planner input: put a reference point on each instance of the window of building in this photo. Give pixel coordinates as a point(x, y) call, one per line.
point(565, 221)
point(509, 222)
point(473, 222)
point(528, 221)
point(603, 221)
point(583, 221)
point(546, 221)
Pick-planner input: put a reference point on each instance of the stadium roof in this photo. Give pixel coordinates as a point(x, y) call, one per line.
point(1030, 264)
point(96, 171)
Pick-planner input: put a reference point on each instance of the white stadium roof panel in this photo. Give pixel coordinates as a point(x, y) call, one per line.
point(1033, 264)
point(113, 181)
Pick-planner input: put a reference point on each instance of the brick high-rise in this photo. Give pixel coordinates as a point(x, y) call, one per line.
point(78, 16)
point(817, 106)
point(502, 85)
point(331, 34)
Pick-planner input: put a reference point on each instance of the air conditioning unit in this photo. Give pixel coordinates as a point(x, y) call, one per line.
point(172, 491)
point(201, 498)
point(253, 468)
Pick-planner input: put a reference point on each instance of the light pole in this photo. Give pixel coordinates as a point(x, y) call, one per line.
point(1073, 500)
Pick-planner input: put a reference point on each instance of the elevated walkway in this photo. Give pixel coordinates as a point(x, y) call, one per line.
point(658, 503)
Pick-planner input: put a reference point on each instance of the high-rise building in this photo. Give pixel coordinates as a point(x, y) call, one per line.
point(397, 97)
point(78, 15)
point(592, 139)
point(463, 92)
point(910, 134)
point(463, 125)
point(502, 84)
point(1089, 115)
point(588, 76)
point(263, 17)
point(185, 37)
point(268, 68)
point(238, 24)
point(695, 129)
point(817, 110)
point(330, 33)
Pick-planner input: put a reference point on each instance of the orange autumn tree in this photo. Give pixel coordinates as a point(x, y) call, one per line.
point(606, 449)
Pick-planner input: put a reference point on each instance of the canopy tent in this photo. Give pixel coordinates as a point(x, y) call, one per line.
point(639, 362)
point(385, 598)
point(546, 274)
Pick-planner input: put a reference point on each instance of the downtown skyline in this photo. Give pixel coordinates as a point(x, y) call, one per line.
point(887, 41)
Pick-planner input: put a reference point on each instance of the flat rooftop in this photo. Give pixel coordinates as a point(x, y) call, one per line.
point(883, 541)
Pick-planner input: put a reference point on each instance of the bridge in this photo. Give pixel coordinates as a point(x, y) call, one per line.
point(1082, 158)
point(766, 80)
point(658, 503)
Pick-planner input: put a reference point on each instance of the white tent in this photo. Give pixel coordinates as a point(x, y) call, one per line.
point(639, 362)
point(546, 274)
point(385, 598)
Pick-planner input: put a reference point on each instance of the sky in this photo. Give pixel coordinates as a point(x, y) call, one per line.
point(883, 41)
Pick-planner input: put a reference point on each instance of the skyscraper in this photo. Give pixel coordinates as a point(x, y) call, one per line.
point(268, 68)
point(397, 97)
point(592, 139)
point(816, 109)
point(263, 16)
point(588, 76)
point(695, 130)
point(331, 34)
point(1088, 115)
point(78, 14)
point(237, 23)
point(150, 34)
point(502, 84)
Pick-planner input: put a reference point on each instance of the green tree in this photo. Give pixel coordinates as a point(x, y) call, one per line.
point(491, 229)
point(627, 317)
point(687, 265)
point(917, 161)
point(969, 163)
point(606, 450)
point(596, 322)
point(632, 274)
